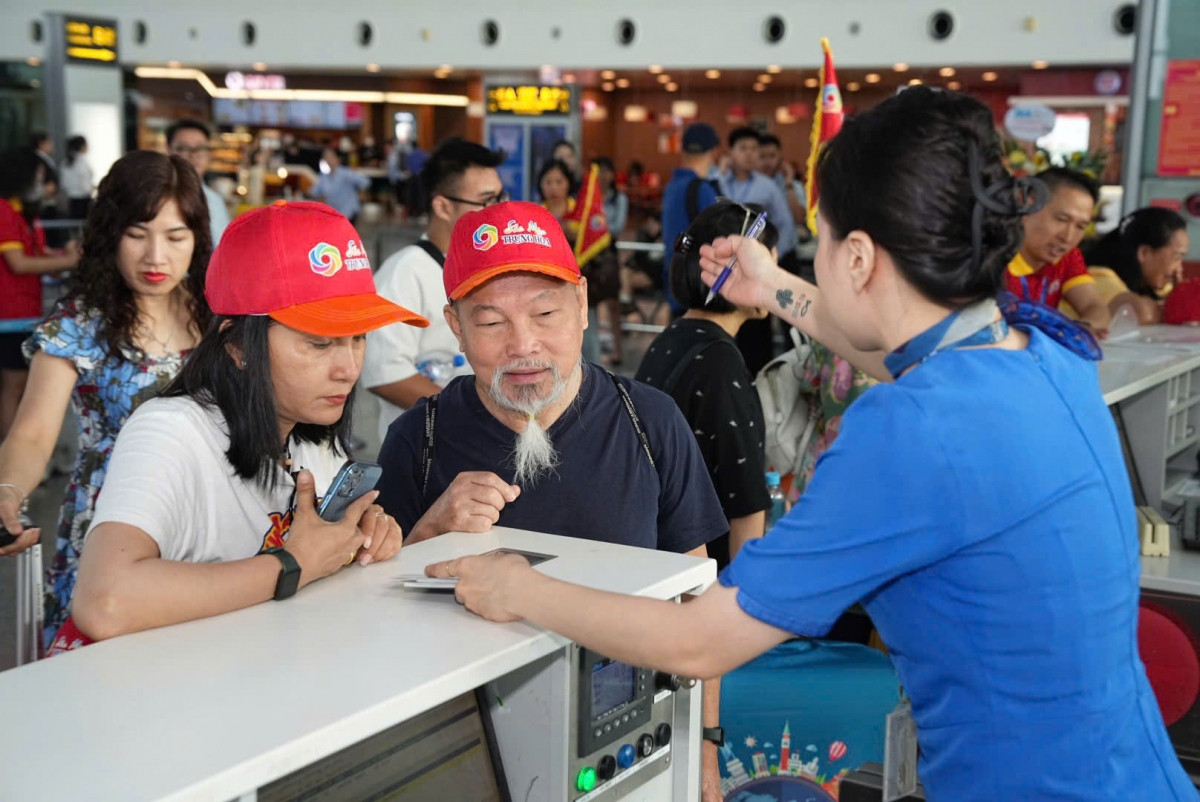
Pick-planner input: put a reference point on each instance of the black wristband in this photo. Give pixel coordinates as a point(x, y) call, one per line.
point(289, 573)
point(714, 735)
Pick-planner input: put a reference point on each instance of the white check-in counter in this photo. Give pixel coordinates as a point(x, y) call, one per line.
point(242, 705)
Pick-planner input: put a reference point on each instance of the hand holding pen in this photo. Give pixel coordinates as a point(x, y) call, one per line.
point(756, 228)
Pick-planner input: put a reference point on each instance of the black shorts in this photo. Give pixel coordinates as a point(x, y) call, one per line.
point(11, 357)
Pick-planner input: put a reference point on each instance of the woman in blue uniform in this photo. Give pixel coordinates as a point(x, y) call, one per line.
point(992, 536)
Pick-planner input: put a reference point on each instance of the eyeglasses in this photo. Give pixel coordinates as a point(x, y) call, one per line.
point(492, 200)
point(182, 150)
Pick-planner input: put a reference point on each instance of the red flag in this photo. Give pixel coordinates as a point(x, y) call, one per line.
point(826, 123)
point(586, 223)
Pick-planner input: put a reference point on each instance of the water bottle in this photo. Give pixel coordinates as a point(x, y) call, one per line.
point(440, 366)
point(778, 503)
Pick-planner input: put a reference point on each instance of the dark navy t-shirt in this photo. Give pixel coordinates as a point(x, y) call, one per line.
point(604, 488)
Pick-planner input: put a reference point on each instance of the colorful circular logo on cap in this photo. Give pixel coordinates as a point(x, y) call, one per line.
point(325, 259)
point(485, 237)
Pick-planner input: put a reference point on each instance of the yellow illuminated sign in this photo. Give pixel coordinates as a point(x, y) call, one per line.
point(529, 101)
point(91, 40)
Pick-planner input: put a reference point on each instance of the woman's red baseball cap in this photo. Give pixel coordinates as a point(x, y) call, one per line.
point(304, 265)
point(506, 237)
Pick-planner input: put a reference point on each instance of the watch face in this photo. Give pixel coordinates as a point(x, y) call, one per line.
point(287, 584)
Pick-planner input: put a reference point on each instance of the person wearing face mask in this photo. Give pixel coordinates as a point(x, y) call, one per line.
point(1049, 266)
point(995, 553)
point(23, 261)
point(133, 310)
point(1139, 261)
point(209, 504)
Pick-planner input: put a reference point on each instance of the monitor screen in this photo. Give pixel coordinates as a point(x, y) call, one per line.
point(613, 684)
point(445, 753)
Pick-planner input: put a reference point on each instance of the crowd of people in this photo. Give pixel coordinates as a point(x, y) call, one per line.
point(212, 367)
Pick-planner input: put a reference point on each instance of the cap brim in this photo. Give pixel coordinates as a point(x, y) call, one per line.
point(347, 316)
point(475, 280)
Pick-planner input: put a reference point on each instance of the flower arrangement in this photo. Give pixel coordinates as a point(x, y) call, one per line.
point(1020, 163)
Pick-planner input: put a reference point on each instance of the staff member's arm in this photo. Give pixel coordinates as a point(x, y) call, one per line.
point(757, 281)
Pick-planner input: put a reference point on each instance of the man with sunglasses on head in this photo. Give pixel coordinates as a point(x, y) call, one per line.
point(190, 140)
point(458, 178)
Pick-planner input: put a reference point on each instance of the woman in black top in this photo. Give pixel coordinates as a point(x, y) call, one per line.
point(697, 362)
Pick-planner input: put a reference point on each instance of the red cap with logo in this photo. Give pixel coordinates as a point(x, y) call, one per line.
point(506, 237)
point(304, 265)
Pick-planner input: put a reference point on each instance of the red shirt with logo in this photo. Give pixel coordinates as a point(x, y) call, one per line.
point(1047, 285)
point(20, 295)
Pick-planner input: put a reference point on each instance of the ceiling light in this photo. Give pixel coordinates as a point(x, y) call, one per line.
point(764, 79)
point(656, 69)
point(946, 72)
point(1040, 64)
point(990, 76)
point(607, 75)
point(774, 69)
point(568, 77)
point(671, 87)
point(811, 83)
point(872, 78)
point(955, 85)
point(759, 87)
point(664, 78)
point(900, 66)
point(33, 61)
point(607, 86)
point(260, 66)
point(712, 74)
point(915, 82)
point(623, 83)
point(854, 86)
point(173, 64)
point(372, 68)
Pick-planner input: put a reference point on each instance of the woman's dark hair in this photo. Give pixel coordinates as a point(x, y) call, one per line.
point(74, 145)
point(134, 191)
point(551, 166)
point(1118, 248)
point(18, 172)
point(901, 173)
point(246, 397)
point(722, 219)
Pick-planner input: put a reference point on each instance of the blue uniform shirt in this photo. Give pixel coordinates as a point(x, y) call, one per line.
point(340, 190)
point(675, 219)
point(761, 190)
point(980, 508)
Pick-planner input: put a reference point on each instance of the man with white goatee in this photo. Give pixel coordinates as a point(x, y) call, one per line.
point(537, 438)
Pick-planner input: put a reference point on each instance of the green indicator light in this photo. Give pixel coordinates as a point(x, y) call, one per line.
point(586, 780)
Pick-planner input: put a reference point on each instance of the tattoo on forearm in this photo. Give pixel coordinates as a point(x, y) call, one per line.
point(787, 300)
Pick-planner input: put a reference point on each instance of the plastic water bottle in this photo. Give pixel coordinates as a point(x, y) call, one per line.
point(778, 503)
point(440, 366)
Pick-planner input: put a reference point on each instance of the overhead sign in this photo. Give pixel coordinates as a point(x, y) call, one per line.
point(529, 101)
point(1029, 122)
point(243, 82)
point(91, 40)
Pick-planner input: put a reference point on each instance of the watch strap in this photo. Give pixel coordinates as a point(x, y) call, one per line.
point(290, 568)
point(714, 735)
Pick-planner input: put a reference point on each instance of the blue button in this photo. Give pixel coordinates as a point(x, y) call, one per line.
point(626, 756)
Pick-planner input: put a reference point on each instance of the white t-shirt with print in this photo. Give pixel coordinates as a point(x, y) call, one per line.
point(169, 477)
point(412, 278)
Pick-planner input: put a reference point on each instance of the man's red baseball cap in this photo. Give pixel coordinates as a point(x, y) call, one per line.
point(304, 265)
point(506, 237)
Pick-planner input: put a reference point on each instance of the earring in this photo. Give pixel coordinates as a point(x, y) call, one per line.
point(244, 363)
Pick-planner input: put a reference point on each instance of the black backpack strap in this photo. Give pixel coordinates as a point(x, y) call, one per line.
point(434, 252)
point(631, 411)
point(431, 405)
point(682, 365)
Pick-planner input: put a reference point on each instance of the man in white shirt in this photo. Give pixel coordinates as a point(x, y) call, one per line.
point(459, 177)
point(190, 139)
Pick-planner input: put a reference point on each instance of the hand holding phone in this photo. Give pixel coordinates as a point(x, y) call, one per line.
point(8, 538)
point(353, 481)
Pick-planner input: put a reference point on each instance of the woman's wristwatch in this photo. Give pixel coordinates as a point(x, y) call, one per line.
point(714, 735)
point(289, 574)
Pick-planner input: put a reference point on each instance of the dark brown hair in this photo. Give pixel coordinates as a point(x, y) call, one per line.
point(134, 191)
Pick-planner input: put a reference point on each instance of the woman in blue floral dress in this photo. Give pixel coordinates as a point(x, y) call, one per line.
point(133, 310)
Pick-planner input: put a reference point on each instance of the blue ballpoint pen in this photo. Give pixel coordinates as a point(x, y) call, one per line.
point(756, 228)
